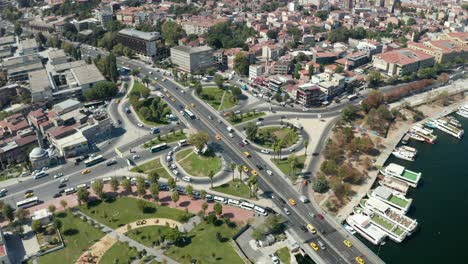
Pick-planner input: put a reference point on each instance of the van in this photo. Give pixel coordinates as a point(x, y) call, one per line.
point(321, 244)
point(182, 142)
point(220, 199)
point(303, 199)
point(233, 202)
point(259, 123)
point(230, 129)
point(187, 178)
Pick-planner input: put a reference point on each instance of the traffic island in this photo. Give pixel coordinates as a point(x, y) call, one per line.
point(198, 165)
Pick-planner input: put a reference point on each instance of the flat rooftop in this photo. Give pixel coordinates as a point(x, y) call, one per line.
point(39, 81)
point(190, 50)
point(86, 74)
point(148, 36)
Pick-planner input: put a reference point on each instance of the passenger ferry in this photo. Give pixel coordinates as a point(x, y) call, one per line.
point(364, 226)
point(399, 172)
point(395, 184)
point(424, 133)
point(444, 125)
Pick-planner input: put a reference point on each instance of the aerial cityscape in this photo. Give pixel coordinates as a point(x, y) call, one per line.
point(209, 131)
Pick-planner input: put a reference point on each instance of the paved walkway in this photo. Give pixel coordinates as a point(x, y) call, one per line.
point(99, 248)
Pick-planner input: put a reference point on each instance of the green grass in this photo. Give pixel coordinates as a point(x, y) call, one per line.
point(398, 201)
point(148, 234)
point(198, 165)
point(77, 235)
point(152, 165)
point(119, 253)
point(285, 135)
point(124, 210)
point(283, 165)
point(382, 222)
point(246, 117)
point(236, 188)
point(206, 247)
point(10, 172)
point(284, 255)
point(137, 88)
point(213, 96)
point(168, 138)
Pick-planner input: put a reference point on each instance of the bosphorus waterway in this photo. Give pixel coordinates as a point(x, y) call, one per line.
point(440, 204)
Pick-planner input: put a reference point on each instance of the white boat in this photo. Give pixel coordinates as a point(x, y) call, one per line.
point(416, 137)
point(405, 155)
point(463, 113)
point(409, 149)
point(444, 125)
point(399, 172)
point(392, 198)
point(425, 133)
point(395, 184)
point(364, 226)
point(453, 121)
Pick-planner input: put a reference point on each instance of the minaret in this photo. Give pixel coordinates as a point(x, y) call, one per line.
point(39, 139)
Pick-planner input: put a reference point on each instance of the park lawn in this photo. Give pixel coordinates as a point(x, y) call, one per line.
point(283, 165)
point(246, 117)
point(148, 234)
point(124, 210)
point(138, 87)
point(284, 255)
point(168, 138)
point(286, 135)
point(152, 165)
point(77, 235)
point(197, 165)
point(235, 188)
point(213, 96)
point(206, 247)
point(119, 253)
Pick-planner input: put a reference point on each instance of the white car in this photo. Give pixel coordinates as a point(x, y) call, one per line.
point(63, 180)
point(140, 124)
point(168, 158)
point(45, 168)
point(136, 157)
point(187, 178)
point(245, 141)
point(173, 166)
point(269, 172)
point(265, 151)
point(58, 175)
point(107, 179)
point(231, 135)
point(176, 172)
point(176, 148)
point(170, 153)
point(286, 211)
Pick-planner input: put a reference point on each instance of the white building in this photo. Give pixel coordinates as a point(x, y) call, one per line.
point(189, 59)
point(255, 71)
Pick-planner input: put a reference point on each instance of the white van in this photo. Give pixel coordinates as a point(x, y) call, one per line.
point(220, 199)
point(182, 142)
point(230, 129)
point(260, 210)
point(70, 191)
point(247, 206)
point(233, 202)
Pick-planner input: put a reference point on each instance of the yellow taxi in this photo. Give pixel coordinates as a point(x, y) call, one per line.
point(360, 260)
point(314, 246)
point(218, 136)
point(254, 172)
point(292, 202)
point(247, 154)
point(311, 228)
point(29, 195)
point(347, 243)
point(245, 168)
point(173, 99)
point(168, 94)
point(85, 171)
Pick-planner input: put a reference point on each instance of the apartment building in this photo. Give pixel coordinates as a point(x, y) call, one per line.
point(28, 47)
point(40, 86)
point(144, 43)
point(189, 59)
point(309, 94)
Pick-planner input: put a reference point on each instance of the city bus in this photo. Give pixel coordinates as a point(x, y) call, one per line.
point(94, 160)
point(32, 201)
point(159, 147)
point(189, 114)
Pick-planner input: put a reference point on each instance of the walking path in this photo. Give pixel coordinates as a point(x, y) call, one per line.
point(114, 235)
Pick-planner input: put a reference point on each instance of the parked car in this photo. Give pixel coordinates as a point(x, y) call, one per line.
point(187, 178)
point(58, 175)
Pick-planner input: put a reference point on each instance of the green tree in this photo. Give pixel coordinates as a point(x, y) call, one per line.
point(98, 188)
point(83, 195)
point(211, 71)
point(204, 207)
point(251, 131)
point(297, 69)
point(102, 90)
point(141, 204)
point(321, 185)
point(411, 21)
point(202, 194)
point(64, 204)
point(112, 66)
point(175, 197)
point(141, 186)
point(126, 185)
point(154, 188)
point(219, 80)
point(171, 183)
point(40, 38)
point(218, 209)
point(21, 214)
point(258, 233)
point(199, 139)
point(114, 183)
point(233, 167)
point(350, 113)
point(211, 175)
point(8, 212)
point(52, 208)
point(36, 226)
point(240, 169)
point(272, 34)
point(322, 14)
point(241, 63)
point(374, 78)
point(189, 190)
point(18, 29)
point(172, 32)
point(306, 144)
point(274, 223)
point(153, 177)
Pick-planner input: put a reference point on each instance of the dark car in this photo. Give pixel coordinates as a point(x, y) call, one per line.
point(259, 167)
point(281, 200)
point(62, 185)
point(28, 191)
point(119, 121)
point(303, 228)
point(180, 190)
point(163, 187)
point(196, 194)
point(57, 195)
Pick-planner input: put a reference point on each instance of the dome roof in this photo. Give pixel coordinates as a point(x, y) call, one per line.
point(37, 153)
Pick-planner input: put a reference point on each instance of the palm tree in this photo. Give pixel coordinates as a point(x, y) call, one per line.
point(306, 144)
point(233, 167)
point(292, 160)
point(239, 169)
point(145, 80)
point(211, 175)
point(276, 150)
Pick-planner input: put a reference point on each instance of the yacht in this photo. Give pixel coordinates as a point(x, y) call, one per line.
point(392, 198)
point(399, 172)
point(429, 124)
point(425, 133)
point(463, 113)
point(453, 121)
point(444, 125)
point(416, 137)
point(402, 154)
point(364, 226)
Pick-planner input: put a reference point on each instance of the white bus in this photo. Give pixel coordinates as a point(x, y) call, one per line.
point(233, 202)
point(159, 147)
point(39, 175)
point(32, 201)
point(70, 191)
point(260, 210)
point(94, 160)
point(182, 142)
point(220, 199)
point(247, 206)
point(189, 114)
